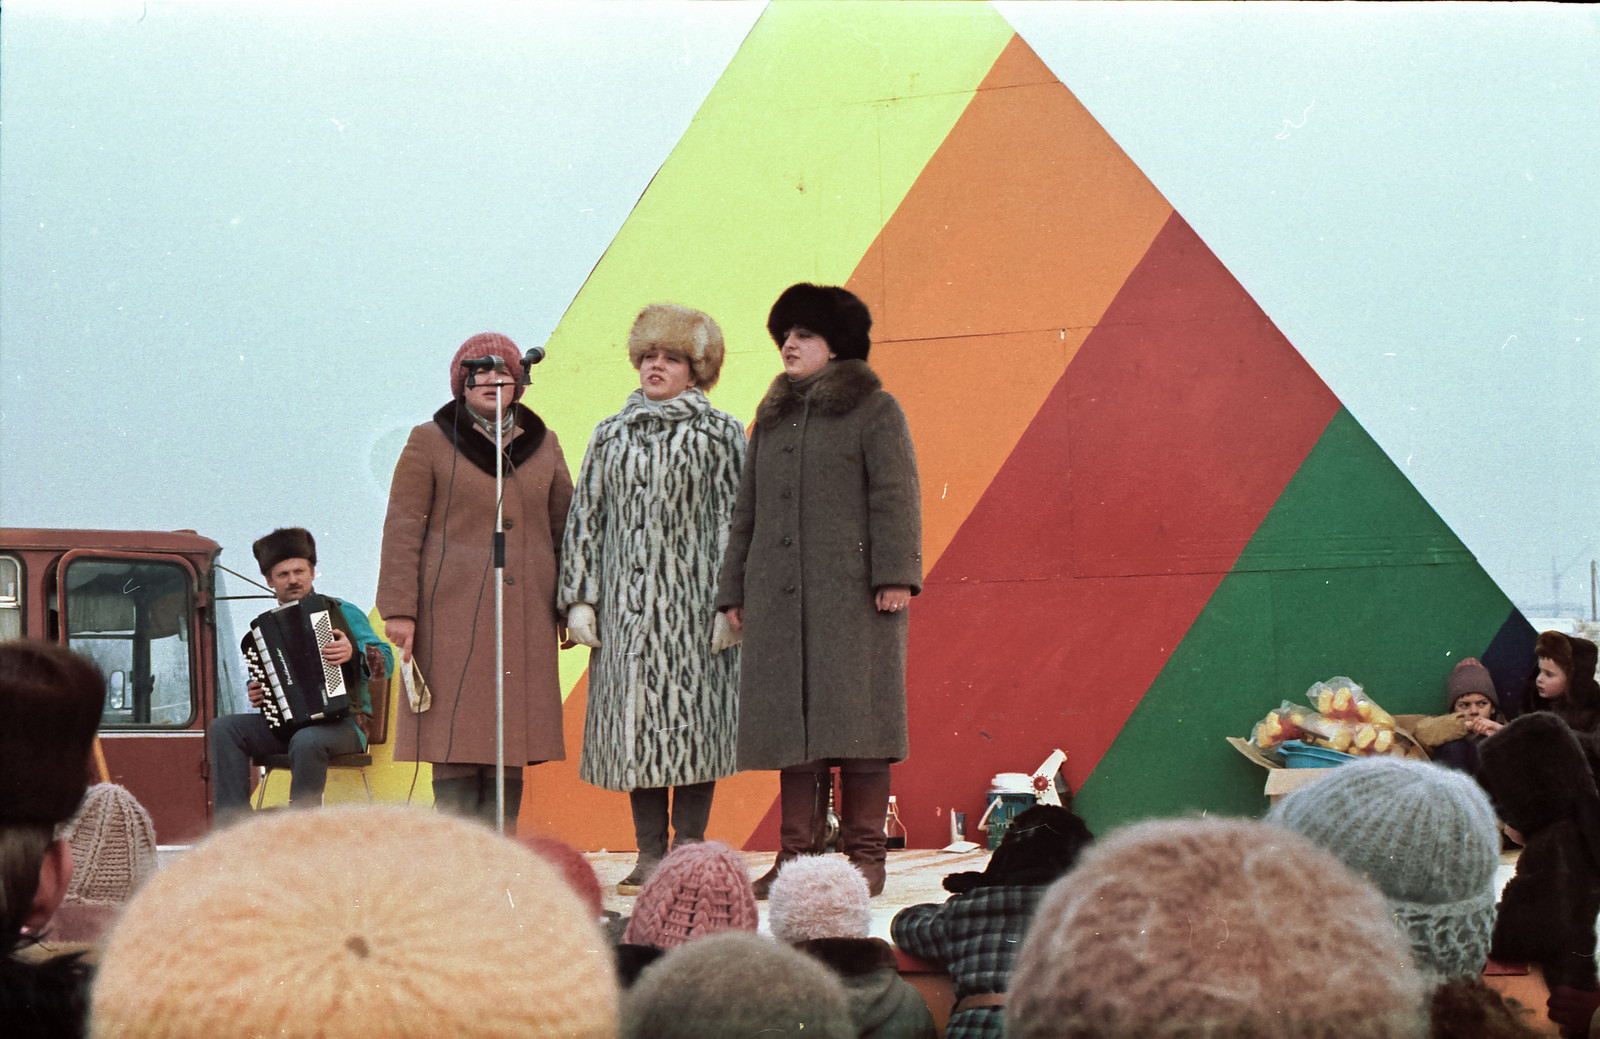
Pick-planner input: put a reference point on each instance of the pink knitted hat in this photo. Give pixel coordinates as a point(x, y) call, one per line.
point(697, 889)
point(1212, 929)
point(575, 869)
point(485, 344)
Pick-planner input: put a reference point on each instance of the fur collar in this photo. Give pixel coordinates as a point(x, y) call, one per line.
point(839, 388)
point(475, 447)
point(851, 957)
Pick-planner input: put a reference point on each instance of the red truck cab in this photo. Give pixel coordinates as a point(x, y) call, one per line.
point(143, 606)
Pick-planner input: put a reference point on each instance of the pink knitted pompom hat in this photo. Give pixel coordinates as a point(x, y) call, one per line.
point(697, 889)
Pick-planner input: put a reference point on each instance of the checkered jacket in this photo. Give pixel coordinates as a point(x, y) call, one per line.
point(976, 936)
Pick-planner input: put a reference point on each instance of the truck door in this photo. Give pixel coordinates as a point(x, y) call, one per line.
point(136, 616)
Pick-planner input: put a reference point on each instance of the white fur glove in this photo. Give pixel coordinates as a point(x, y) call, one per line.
point(582, 625)
point(722, 633)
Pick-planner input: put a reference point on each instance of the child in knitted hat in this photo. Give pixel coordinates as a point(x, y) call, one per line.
point(976, 932)
point(698, 889)
point(822, 907)
point(1212, 929)
point(113, 852)
point(1427, 838)
point(735, 986)
point(356, 921)
point(1473, 707)
point(1536, 773)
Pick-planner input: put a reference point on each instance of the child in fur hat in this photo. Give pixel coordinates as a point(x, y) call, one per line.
point(1212, 929)
point(698, 889)
point(975, 933)
point(734, 986)
point(1563, 682)
point(822, 907)
point(1427, 838)
point(1536, 773)
point(356, 921)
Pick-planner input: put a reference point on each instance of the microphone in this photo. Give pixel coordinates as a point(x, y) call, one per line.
point(491, 363)
point(534, 355)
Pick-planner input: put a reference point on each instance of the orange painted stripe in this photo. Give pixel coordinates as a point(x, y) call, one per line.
point(995, 267)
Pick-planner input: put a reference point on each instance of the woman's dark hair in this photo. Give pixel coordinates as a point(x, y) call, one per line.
point(1040, 844)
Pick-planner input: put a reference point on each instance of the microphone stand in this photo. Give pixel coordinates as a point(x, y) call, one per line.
point(499, 618)
point(532, 357)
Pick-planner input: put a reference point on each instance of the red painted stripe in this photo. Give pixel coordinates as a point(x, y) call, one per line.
point(1130, 496)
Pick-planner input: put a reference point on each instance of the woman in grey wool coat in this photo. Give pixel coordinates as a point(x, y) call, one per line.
point(639, 561)
point(823, 557)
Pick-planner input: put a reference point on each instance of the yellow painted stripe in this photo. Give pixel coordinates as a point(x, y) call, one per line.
point(799, 154)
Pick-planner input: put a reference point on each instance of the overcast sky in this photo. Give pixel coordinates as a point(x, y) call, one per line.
point(236, 236)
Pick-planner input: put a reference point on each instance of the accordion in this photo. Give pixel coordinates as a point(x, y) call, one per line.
point(283, 651)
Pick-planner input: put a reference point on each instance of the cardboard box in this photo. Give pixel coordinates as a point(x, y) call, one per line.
point(1280, 780)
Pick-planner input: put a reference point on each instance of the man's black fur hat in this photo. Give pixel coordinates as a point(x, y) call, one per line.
point(285, 543)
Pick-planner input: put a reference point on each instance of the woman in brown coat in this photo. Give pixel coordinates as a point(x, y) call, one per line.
point(824, 554)
point(435, 592)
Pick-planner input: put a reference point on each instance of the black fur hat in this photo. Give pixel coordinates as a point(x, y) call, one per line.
point(285, 543)
point(1041, 843)
point(50, 704)
point(1535, 772)
point(834, 313)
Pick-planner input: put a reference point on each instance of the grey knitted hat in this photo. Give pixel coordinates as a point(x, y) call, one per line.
point(1425, 836)
point(734, 985)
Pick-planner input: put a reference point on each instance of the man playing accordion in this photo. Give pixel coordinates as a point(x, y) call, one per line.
point(288, 560)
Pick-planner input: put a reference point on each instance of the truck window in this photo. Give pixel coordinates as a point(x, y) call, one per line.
point(10, 598)
point(132, 618)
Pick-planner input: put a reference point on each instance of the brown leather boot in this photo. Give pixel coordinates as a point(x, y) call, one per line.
point(864, 805)
point(803, 807)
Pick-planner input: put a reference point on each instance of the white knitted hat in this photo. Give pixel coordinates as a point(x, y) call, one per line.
point(819, 896)
point(1427, 839)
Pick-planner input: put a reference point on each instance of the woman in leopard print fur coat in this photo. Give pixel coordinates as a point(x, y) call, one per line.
point(639, 564)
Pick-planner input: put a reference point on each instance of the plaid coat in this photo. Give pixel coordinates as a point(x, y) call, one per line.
point(976, 937)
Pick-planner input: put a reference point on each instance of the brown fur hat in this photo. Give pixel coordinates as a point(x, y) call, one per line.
point(285, 543)
point(50, 704)
point(1557, 648)
point(1576, 657)
point(836, 314)
point(692, 333)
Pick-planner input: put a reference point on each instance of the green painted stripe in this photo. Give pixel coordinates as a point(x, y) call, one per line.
point(1351, 573)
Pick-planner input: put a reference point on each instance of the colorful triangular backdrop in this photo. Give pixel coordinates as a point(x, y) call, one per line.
point(1147, 519)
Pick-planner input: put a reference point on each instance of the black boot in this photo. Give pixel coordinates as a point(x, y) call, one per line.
point(803, 804)
point(691, 810)
point(457, 796)
point(513, 799)
point(649, 806)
